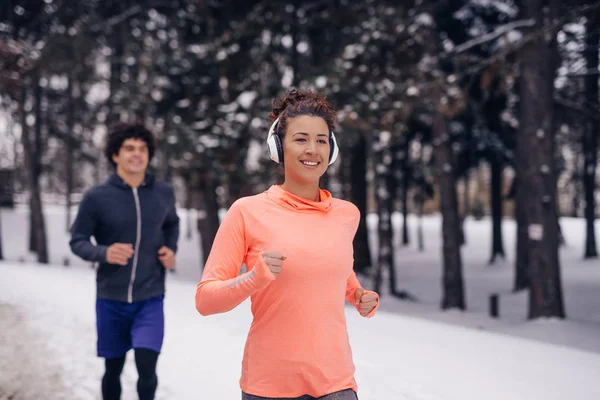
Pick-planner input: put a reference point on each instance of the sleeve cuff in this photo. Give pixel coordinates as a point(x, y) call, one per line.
point(101, 253)
point(263, 274)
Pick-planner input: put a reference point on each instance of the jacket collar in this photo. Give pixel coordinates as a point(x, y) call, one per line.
point(116, 180)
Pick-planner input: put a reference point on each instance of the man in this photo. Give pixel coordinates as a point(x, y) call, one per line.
point(134, 223)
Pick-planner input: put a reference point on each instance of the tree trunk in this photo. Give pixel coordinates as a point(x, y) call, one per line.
point(238, 179)
point(208, 211)
point(70, 151)
point(462, 237)
point(386, 249)
point(32, 239)
point(453, 288)
point(522, 257)
point(590, 136)
point(576, 180)
point(385, 201)
point(421, 242)
point(405, 188)
point(33, 155)
point(386, 188)
point(467, 194)
point(294, 23)
point(117, 43)
point(405, 237)
point(1, 252)
point(27, 160)
point(538, 65)
point(496, 207)
point(561, 237)
point(358, 196)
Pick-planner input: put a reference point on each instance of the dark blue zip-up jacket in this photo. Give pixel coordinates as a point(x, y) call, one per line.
point(114, 212)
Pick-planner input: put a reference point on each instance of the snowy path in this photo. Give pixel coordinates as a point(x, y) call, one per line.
point(47, 350)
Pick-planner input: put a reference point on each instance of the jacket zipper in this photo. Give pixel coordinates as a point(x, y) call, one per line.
point(138, 237)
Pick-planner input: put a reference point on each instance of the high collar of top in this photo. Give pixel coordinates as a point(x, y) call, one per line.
point(293, 202)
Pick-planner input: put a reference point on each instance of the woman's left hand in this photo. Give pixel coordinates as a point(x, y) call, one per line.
point(365, 302)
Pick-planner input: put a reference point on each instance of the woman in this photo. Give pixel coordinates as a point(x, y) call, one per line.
point(296, 241)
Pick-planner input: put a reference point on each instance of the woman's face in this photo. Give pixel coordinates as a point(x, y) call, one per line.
point(306, 149)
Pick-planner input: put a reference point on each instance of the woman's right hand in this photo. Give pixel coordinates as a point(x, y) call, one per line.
point(274, 261)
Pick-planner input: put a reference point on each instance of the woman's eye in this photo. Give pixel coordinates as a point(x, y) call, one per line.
point(300, 140)
point(322, 141)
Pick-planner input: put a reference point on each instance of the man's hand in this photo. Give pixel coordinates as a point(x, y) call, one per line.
point(166, 257)
point(119, 253)
point(274, 261)
point(366, 302)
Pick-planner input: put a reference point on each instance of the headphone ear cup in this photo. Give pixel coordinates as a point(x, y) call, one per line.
point(273, 148)
point(279, 146)
point(334, 150)
point(274, 144)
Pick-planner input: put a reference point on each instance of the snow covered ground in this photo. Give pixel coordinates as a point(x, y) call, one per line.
point(409, 351)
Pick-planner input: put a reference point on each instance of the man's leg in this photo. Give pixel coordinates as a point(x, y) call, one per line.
point(114, 340)
point(145, 360)
point(111, 381)
point(147, 335)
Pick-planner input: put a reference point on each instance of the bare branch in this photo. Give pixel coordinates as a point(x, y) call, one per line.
point(492, 35)
point(68, 138)
point(574, 107)
point(587, 72)
point(117, 19)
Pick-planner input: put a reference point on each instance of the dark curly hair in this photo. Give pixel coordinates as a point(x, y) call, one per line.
point(296, 103)
point(123, 131)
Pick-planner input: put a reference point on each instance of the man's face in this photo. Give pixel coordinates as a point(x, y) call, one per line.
point(132, 157)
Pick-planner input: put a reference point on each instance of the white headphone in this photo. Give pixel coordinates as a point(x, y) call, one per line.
point(276, 148)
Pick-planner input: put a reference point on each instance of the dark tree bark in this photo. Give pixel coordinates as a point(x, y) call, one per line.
point(70, 152)
point(538, 67)
point(496, 207)
point(1, 252)
point(386, 187)
point(117, 42)
point(420, 206)
point(453, 287)
point(590, 136)
point(358, 196)
point(522, 257)
point(33, 154)
point(204, 193)
point(385, 200)
point(406, 174)
point(576, 182)
point(462, 237)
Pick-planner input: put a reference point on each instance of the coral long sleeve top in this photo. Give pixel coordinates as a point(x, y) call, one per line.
point(298, 341)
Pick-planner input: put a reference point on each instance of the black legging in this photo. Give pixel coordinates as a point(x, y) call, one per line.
point(145, 361)
point(111, 381)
